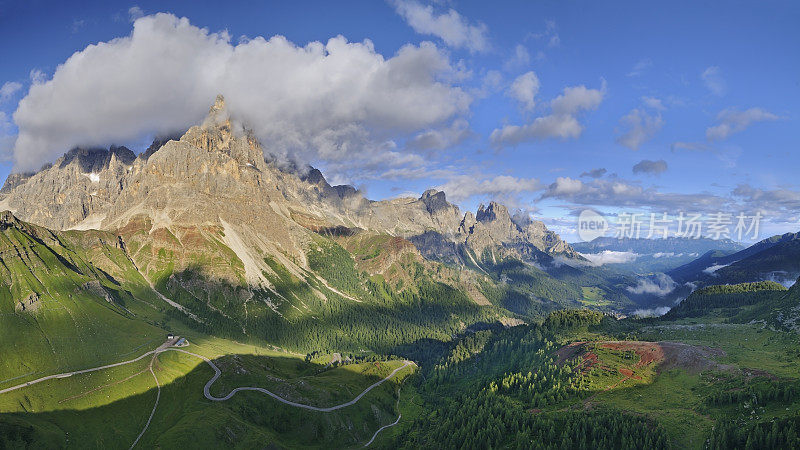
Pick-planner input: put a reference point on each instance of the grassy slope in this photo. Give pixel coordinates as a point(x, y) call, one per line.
point(676, 397)
point(75, 327)
point(114, 415)
point(109, 408)
point(73, 324)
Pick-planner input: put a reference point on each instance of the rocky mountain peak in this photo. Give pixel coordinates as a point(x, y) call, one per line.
point(434, 200)
point(220, 133)
point(216, 175)
point(93, 160)
point(219, 105)
point(7, 219)
point(218, 116)
point(159, 142)
point(493, 212)
point(15, 179)
point(314, 176)
point(494, 229)
point(465, 227)
point(345, 190)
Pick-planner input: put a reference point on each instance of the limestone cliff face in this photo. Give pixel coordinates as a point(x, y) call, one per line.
point(212, 189)
point(492, 229)
point(79, 184)
point(15, 179)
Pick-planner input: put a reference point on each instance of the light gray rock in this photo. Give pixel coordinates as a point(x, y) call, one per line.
point(216, 174)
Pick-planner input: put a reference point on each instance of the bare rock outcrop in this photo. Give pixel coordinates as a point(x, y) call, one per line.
point(214, 185)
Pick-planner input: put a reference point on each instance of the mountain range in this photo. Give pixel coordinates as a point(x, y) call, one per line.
point(266, 278)
point(641, 255)
point(776, 258)
point(226, 239)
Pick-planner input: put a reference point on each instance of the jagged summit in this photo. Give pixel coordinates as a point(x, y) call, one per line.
point(96, 159)
point(216, 175)
point(493, 212)
point(219, 105)
point(434, 200)
point(15, 179)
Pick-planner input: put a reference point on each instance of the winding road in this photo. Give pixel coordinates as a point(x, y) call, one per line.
point(383, 428)
point(169, 346)
point(218, 372)
point(160, 349)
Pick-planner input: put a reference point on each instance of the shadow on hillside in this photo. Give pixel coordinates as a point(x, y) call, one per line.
point(185, 418)
point(308, 323)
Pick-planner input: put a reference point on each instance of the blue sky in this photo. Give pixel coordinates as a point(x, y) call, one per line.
point(703, 96)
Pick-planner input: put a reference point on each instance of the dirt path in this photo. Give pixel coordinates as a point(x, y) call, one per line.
point(383, 428)
point(158, 397)
point(399, 416)
point(93, 369)
point(168, 346)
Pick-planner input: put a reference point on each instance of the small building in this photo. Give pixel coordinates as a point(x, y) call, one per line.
point(170, 336)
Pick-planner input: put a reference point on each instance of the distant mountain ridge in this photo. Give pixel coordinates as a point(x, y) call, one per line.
point(653, 255)
point(776, 258)
point(651, 246)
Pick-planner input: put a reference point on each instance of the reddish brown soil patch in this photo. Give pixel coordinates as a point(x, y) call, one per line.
point(589, 360)
point(568, 352)
point(648, 352)
point(577, 350)
point(628, 373)
point(665, 355)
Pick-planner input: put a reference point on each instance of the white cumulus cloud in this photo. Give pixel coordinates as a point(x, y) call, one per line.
point(610, 257)
point(733, 121)
point(640, 126)
point(451, 27)
point(462, 187)
point(524, 89)
point(335, 101)
point(562, 122)
point(660, 284)
point(565, 186)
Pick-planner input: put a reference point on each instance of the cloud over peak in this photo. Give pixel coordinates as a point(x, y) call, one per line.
point(505, 187)
point(332, 101)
